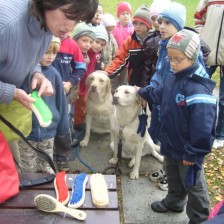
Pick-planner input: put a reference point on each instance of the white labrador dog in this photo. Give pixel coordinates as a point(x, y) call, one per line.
point(124, 128)
point(99, 108)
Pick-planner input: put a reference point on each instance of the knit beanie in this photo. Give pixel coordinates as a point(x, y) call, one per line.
point(158, 6)
point(101, 32)
point(83, 29)
point(108, 20)
point(56, 40)
point(143, 15)
point(123, 7)
point(175, 13)
point(186, 41)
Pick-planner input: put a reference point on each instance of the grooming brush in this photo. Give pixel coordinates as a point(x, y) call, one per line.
point(99, 190)
point(41, 110)
point(47, 203)
point(61, 187)
point(78, 191)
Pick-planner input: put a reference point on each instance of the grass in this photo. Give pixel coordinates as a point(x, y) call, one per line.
point(214, 162)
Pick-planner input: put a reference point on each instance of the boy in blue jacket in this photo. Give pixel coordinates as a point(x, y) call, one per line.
point(188, 112)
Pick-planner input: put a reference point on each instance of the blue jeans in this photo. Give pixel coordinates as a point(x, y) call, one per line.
point(220, 120)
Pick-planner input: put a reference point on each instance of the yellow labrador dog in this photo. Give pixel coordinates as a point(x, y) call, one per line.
point(99, 108)
point(124, 128)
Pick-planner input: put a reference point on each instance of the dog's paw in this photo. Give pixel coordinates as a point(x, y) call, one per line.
point(134, 175)
point(161, 158)
point(113, 161)
point(84, 142)
point(131, 163)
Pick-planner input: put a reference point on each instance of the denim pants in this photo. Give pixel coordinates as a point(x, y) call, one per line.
point(220, 120)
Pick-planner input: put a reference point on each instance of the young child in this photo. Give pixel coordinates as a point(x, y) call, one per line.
point(171, 20)
point(111, 47)
point(188, 111)
point(123, 29)
point(131, 52)
point(71, 65)
point(151, 42)
point(100, 39)
point(97, 19)
point(58, 132)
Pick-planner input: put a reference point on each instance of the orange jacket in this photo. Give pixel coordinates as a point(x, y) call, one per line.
point(132, 52)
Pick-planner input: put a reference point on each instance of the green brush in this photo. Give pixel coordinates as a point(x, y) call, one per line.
point(41, 110)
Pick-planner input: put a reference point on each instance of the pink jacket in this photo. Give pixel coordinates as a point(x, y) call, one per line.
point(122, 32)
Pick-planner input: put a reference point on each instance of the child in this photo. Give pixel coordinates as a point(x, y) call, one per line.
point(57, 132)
point(151, 42)
point(131, 52)
point(97, 19)
point(188, 111)
point(101, 38)
point(71, 65)
point(171, 20)
point(110, 49)
point(123, 29)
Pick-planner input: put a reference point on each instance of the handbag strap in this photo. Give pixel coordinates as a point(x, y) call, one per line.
point(39, 152)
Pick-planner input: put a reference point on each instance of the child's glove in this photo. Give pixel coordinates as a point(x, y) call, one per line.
point(192, 175)
point(142, 124)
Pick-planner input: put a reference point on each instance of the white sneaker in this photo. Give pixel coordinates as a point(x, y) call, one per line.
point(218, 144)
point(157, 176)
point(163, 184)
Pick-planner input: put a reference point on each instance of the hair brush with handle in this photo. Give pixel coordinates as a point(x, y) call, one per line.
point(47, 203)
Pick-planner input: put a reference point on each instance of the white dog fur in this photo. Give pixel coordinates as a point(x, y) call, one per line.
point(99, 108)
point(124, 127)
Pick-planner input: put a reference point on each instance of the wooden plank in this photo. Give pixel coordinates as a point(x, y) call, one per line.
point(110, 180)
point(25, 199)
point(33, 216)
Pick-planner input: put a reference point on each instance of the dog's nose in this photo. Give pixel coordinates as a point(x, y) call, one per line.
point(115, 100)
point(93, 88)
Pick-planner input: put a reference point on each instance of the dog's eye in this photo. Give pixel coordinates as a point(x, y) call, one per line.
point(126, 92)
point(101, 80)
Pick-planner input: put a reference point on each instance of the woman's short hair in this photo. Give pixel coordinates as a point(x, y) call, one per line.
point(77, 10)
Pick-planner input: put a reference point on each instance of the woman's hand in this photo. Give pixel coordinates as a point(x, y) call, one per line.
point(45, 86)
point(22, 97)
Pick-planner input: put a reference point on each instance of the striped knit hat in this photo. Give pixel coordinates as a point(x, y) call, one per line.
point(186, 41)
point(175, 13)
point(83, 29)
point(143, 15)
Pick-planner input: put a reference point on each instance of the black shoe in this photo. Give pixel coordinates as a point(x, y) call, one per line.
point(159, 207)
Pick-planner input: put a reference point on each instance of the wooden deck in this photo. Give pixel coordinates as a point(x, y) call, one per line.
point(21, 209)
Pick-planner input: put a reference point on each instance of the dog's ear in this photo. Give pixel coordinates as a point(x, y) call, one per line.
point(88, 79)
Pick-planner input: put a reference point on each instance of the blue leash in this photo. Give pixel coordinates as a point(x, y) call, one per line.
point(84, 163)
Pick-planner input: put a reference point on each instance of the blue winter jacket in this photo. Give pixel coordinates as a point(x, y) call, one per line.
point(58, 106)
point(188, 113)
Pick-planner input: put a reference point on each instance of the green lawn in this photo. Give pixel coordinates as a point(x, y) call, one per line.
point(214, 163)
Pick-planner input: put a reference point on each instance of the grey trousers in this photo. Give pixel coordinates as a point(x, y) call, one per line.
point(198, 206)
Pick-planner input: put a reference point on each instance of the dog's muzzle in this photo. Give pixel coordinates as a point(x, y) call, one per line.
point(115, 100)
point(93, 88)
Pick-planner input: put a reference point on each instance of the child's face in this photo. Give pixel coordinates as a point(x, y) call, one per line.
point(109, 29)
point(48, 58)
point(85, 43)
point(178, 60)
point(166, 28)
point(155, 22)
point(141, 29)
point(98, 16)
point(124, 18)
point(98, 45)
